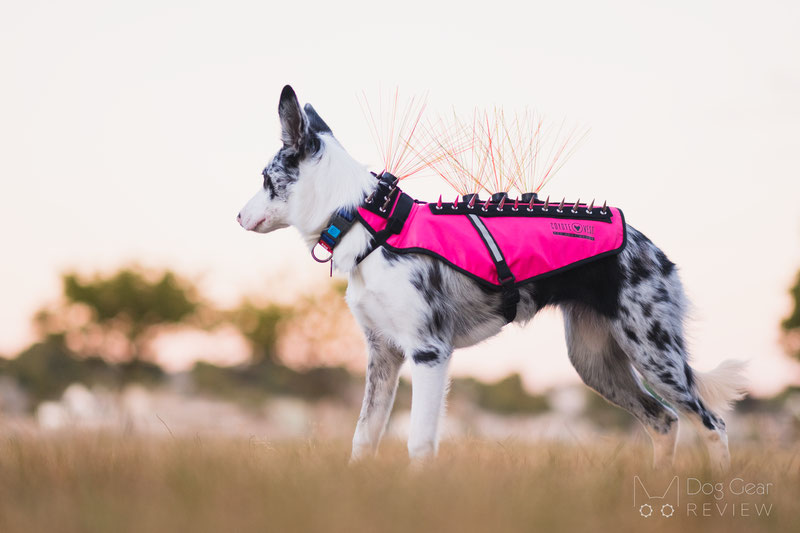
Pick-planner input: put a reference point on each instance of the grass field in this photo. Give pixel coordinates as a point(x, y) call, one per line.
point(97, 482)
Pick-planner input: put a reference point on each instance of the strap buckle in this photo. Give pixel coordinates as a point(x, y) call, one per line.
point(508, 280)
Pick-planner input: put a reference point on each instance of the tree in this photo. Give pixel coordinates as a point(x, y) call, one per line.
point(791, 324)
point(310, 326)
point(120, 313)
point(262, 327)
point(46, 368)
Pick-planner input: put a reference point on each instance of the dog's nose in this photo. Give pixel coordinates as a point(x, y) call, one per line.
point(239, 218)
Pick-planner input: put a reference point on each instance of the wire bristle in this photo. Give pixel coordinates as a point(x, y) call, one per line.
point(491, 151)
point(394, 128)
point(495, 151)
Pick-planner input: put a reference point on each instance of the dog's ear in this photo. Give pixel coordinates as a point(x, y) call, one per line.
point(315, 122)
point(294, 124)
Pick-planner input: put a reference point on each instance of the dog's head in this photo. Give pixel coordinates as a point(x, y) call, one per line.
point(301, 131)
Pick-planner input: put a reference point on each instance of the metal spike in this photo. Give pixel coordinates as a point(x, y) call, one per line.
point(439, 203)
point(502, 203)
point(604, 210)
point(388, 201)
point(486, 205)
point(575, 206)
point(455, 203)
point(591, 206)
point(546, 207)
point(516, 204)
point(370, 197)
point(396, 181)
point(472, 201)
point(561, 206)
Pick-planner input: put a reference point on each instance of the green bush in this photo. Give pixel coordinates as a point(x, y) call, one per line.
point(507, 396)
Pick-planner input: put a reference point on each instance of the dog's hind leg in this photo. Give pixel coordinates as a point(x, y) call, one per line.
point(383, 370)
point(666, 370)
point(605, 367)
point(663, 365)
point(649, 329)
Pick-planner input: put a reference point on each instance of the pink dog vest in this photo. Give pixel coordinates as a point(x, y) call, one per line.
point(532, 242)
point(500, 244)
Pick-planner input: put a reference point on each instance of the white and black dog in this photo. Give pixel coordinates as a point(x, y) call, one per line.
point(623, 313)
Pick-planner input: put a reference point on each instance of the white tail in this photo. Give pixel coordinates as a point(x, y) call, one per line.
point(721, 387)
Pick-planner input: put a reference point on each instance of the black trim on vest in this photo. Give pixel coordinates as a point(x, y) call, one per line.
point(394, 224)
point(522, 211)
point(510, 296)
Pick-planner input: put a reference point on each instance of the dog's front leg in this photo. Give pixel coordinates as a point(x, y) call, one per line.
point(383, 369)
point(429, 385)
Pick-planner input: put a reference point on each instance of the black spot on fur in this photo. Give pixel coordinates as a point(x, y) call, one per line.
point(390, 257)
point(437, 320)
point(658, 336)
point(707, 418)
point(425, 357)
point(662, 294)
point(677, 340)
point(631, 335)
point(418, 281)
point(665, 264)
point(647, 309)
point(651, 406)
point(638, 271)
point(268, 185)
point(667, 379)
point(687, 370)
point(422, 282)
point(435, 277)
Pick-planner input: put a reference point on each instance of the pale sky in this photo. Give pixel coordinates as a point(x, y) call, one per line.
point(136, 131)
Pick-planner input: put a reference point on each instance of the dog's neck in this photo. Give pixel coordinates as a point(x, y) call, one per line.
point(335, 181)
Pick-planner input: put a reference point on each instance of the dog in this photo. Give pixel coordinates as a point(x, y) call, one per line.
point(623, 314)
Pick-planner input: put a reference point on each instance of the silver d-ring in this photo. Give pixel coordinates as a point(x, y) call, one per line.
point(317, 259)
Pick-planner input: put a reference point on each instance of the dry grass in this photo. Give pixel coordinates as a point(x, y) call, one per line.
point(95, 482)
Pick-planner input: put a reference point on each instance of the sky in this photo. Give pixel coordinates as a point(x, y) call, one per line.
point(134, 132)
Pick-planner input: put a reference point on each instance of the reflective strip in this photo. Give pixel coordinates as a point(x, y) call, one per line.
point(487, 238)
